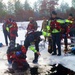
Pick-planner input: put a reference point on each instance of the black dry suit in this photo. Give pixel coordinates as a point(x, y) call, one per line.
point(33, 38)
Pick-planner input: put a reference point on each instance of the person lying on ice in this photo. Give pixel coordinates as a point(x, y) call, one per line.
point(16, 56)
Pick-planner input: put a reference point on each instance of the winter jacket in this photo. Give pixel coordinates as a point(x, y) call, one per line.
point(6, 26)
point(44, 25)
point(13, 30)
point(70, 25)
point(60, 25)
point(54, 25)
point(17, 54)
point(32, 27)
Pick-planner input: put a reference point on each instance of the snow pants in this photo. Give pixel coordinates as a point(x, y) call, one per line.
point(56, 41)
point(6, 36)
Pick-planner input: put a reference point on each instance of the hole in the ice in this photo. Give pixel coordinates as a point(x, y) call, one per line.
point(34, 71)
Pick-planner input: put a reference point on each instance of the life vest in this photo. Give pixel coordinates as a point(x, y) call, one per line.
point(70, 25)
point(13, 30)
point(54, 26)
point(30, 28)
point(8, 25)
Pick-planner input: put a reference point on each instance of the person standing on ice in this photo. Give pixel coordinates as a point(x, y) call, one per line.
point(13, 31)
point(32, 26)
point(55, 31)
point(56, 26)
point(44, 25)
point(6, 27)
point(71, 26)
point(65, 30)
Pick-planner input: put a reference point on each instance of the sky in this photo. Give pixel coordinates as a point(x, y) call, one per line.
point(22, 1)
point(32, 1)
point(67, 1)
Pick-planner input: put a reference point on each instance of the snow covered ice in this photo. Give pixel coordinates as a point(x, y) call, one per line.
point(30, 55)
point(44, 60)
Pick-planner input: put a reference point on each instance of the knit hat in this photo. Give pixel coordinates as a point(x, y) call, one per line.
point(30, 18)
point(71, 14)
point(54, 13)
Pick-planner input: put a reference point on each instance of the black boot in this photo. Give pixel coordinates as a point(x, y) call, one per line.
point(35, 61)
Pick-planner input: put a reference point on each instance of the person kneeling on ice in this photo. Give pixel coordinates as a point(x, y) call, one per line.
point(16, 56)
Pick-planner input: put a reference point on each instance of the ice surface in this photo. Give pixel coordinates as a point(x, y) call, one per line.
point(44, 59)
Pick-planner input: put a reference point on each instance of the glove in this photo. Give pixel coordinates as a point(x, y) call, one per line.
point(9, 61)
point(18, 53)
point(38, 53)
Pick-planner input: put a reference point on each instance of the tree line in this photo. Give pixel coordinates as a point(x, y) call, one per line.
point(41, 8)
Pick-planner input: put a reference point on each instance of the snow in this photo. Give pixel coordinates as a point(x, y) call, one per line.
point(68, 62)
point(45, 58)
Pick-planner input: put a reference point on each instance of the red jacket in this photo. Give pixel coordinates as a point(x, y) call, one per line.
point(70, 26)
point(14, 58)
point(71, 23)
point(55, 25)
point(32, 27)
point(13, 30)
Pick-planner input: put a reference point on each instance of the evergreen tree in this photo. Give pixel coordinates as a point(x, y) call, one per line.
point(27, 5)
point(35, 6)
point(36, 9)
point(64, 7)
point(10, 8)
point(18, 5)
point(18, 10)
point(73, 4)
point(3, 10)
